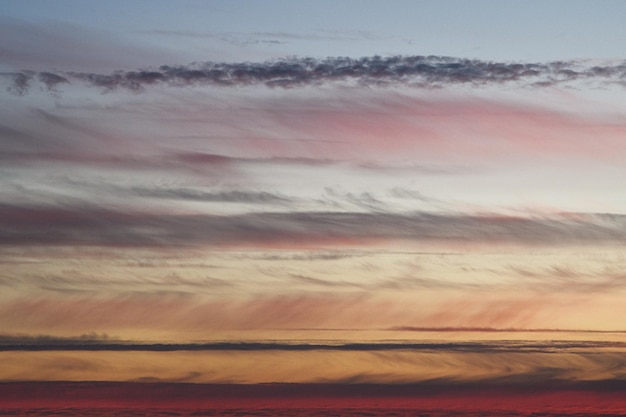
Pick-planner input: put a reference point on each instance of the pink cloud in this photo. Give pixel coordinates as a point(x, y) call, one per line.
point(196, 316)
point(442, 127)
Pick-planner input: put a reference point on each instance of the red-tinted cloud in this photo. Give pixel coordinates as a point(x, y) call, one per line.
point(370, 399)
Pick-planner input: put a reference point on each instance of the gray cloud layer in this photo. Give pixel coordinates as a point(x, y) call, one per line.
point(421, 71)
point(26, 225)
point(101, 343)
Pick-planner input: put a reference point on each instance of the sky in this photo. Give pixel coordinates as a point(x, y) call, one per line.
point(233, 192)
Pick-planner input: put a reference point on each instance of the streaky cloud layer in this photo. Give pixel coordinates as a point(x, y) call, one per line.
point(523, 364)
point(209, 213)
point(83, 225)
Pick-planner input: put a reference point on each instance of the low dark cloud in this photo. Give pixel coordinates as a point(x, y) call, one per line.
point(8, 340)
point(418, 71)
point(97, 343)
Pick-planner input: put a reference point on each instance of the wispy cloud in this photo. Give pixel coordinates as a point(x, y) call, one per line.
point(186, 313)
point(51, 44)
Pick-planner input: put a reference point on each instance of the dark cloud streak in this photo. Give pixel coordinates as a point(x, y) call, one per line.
point(419, 71)
point(44, 225)
point(229, 196)
point(99, 344)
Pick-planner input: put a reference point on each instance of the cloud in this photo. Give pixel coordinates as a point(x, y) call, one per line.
point(20, 82)
point(500, 330)
point(572, 278)
point(364, 200)
point(85, 225)
point(434, 132)
point(389, 133)
point(51, 80)
point(43, 343)
point(441, 397)
point(403, 193)
point(418, 71)
point(193, 314)
point(163, 278)
point(229, 196)
point(51, 45)
point(8, 340)
point(246, 38)
point(305, 279)
point(329, 255)
point(35, 134)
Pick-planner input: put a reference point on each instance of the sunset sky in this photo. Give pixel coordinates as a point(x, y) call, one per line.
point(313, 191)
